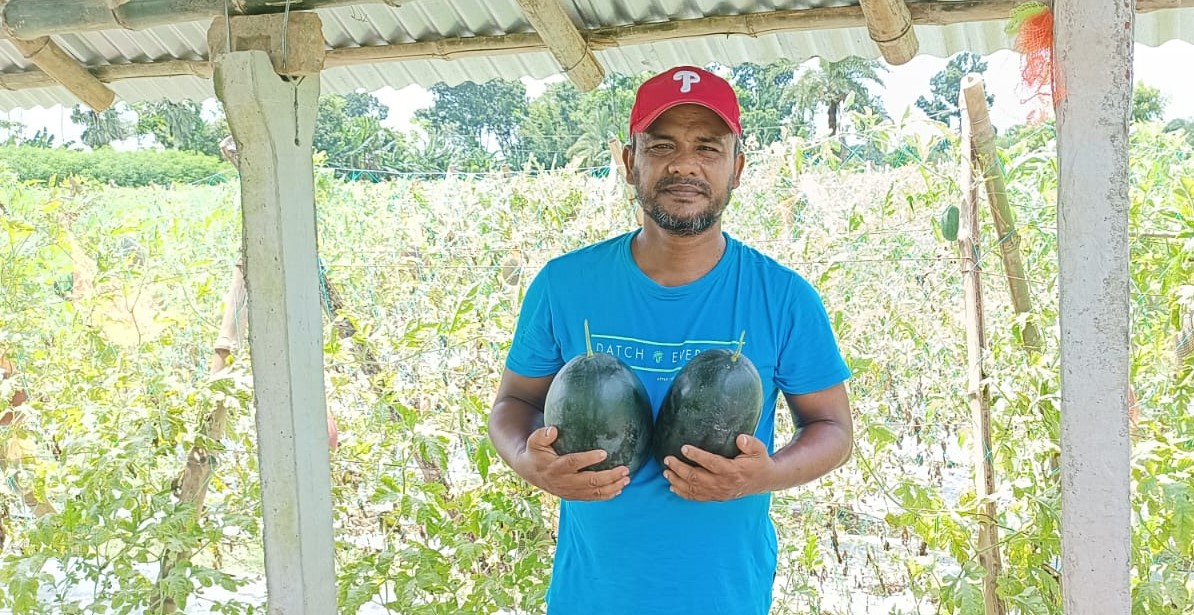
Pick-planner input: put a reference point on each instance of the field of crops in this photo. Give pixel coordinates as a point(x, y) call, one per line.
point(110, 301)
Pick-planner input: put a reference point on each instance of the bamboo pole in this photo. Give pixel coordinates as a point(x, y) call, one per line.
point(977, 390)
point(890, 26)
point(33, 79)
point(66, 70)
point(983, 141)
point(33, 18)
point(570, 49)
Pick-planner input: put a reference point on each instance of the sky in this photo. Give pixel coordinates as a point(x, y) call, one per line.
point(1166, 67)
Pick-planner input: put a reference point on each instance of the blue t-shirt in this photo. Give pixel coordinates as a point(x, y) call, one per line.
point(648, 551)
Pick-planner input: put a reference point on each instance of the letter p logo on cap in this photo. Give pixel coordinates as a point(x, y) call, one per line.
point(686, 79)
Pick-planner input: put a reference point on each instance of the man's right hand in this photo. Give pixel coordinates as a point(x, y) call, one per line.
point(563, 475)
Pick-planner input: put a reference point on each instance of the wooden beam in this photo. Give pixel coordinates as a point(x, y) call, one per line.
point(66, 71)
point(1093, 48)
point(30, 19)
point(754, 24)
point(890, 25)
point(570, 49)
point(34, 79)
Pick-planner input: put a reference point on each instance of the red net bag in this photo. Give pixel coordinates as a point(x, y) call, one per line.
point(1032, 25)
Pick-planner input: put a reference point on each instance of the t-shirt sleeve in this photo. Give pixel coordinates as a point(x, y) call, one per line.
point(535, 351)
point(809, 358)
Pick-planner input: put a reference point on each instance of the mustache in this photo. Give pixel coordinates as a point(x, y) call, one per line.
point(668, 182)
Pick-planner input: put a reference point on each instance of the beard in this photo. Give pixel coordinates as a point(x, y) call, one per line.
point(682, 226)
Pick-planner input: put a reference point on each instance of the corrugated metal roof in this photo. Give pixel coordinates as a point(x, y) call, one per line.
point(424, 20)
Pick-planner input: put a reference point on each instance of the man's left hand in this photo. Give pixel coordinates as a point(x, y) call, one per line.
point(713, 478)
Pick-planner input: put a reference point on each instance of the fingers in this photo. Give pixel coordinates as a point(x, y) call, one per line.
point(542, 437)
point(710, 461)
point(565, 476)
point(578, 461)
point(751, 446)
point(589, 485)
point(682, 477)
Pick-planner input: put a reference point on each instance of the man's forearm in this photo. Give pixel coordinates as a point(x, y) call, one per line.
point(817, 449)
point(510, 424)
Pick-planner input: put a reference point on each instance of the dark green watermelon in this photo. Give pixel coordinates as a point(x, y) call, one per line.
point(717, 396)
point(597, 402)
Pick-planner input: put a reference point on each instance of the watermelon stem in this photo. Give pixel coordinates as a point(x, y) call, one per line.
point(741, 341)
point(588, 341)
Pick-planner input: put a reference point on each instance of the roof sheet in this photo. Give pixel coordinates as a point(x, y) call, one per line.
point(423, 20)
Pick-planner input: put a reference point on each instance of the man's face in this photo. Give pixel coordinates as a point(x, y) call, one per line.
point(684, 168)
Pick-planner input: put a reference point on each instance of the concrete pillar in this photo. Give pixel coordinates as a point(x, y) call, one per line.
point(1093, 48)
point(273, 120)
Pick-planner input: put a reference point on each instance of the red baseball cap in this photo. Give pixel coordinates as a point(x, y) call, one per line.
point(684, 85)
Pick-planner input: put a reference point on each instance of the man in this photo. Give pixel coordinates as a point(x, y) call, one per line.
point(682, 539)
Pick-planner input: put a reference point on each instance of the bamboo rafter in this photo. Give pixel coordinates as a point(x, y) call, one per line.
point(560, 35)
point(28, 19)
point(66, 71)
point(890, 25)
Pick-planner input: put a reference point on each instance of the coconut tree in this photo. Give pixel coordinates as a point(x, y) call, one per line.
point(838, 86)
point(592, 147)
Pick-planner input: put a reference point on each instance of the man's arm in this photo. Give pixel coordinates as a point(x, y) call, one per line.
point(517, 432)
point(824, 439)
point(517, 412)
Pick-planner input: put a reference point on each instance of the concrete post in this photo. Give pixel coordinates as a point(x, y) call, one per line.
point(273, 121)
point(1094, 62)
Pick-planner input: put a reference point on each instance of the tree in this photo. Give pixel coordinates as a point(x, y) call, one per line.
point(592, 146)
point(1148, 103)
point(839, 86)
point(102, 128)
point(482, 115)
point(364, 104)
point(551, 125)
point(946, 87)
point(767, 100)
point(348, 130)
point(180, 126)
